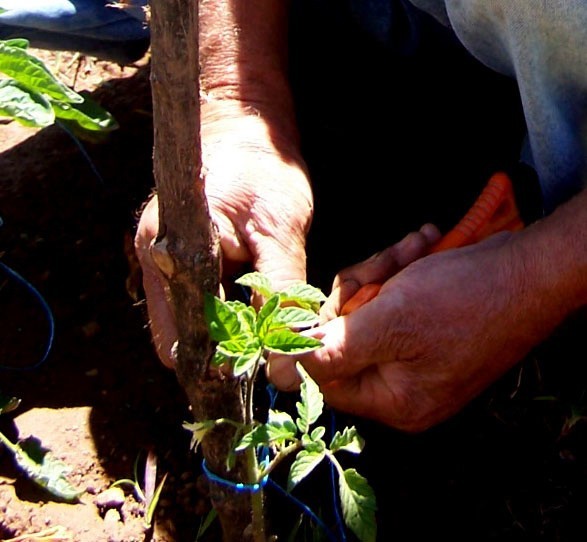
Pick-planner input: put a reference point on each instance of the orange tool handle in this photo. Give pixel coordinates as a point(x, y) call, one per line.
point(493, 211)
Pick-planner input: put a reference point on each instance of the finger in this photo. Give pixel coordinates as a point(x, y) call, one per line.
point(282, 263)
point(350, 345)
point(379, 268)
point(161, 318)
point(338, 297)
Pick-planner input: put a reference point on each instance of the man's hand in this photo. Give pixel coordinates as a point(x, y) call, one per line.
point(440, 331)
point(260, 199)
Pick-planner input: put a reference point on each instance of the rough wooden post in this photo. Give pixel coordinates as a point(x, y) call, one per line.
point(187, 248)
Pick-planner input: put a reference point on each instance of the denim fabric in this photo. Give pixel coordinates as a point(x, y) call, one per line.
point(543, 45)
point(93, 27)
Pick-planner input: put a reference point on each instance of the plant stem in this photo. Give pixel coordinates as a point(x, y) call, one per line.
point(4, 440)
point(257, 498)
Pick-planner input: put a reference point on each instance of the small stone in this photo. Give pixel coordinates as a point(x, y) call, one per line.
point(112, 517)
point(110, 498)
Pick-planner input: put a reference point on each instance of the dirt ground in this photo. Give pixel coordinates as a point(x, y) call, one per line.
point(511, 467)
point(102, 399)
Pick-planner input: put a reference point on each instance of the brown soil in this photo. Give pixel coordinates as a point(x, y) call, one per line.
point(102, 399)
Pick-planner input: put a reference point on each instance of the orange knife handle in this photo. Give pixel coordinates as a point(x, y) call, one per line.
point(493, 211)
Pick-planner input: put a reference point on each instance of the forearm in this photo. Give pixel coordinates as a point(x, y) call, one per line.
point(243, 59)
point(553, 270)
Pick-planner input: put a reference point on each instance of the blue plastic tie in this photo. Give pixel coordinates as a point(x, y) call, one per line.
point(237, 486)
point(46, 310)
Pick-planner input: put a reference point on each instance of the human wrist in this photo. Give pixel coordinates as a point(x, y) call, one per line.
point(552, 260)
point(251, 124)
point(243, 50)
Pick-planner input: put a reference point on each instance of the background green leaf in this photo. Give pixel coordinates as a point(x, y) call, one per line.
point(17, 63)
point(25, 106)
point(312, 402)
point(358, 504)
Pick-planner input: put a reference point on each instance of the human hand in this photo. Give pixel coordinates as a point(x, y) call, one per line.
point(440, 332)
point(259, 197)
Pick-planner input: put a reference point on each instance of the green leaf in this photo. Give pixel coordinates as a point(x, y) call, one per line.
point(87, 114)
point(306, 296)
point(265, 316)
point(304, 463)
point(248, 359)
point(313, 445)
point(222, 318)
point(25, 106)
point(233, 348)
point(312, 401)
point(295, 317)
point(218, 359)
point(279, 428)
point(42, 468)
point(21, 43)
point(25, 68)
point(199, 431)
point(152, 505)
point(285, 341)
point(258, 282)
point(317, 432)
point(8, 404)
point(349, 441)
point(358, 504)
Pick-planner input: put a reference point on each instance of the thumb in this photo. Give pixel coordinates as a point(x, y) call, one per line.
point(283, 263)
point(161, 317)
point(348, 349)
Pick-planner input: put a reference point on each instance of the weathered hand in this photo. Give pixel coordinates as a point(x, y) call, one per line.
point(260, 199)
point(439, 332)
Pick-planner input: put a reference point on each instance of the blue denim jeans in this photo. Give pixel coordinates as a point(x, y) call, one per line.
point(542, 44)
point(93, 27)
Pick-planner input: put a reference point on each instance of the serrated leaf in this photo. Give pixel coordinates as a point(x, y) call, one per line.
point(28, 70)
point(304, 463)
point(317, 432)
point(199, 431)
point(265, 316)
point(218, 359)
point(87, 114)
point(248, 359)
point(349, 441)
point(258, 282)
point(233, 348)
point(279, 428)
point(45, 470)
point(286, 341)
point(305, 295)
point(25, 106)
point(248, 319)
point(358, 504)
point(222, 319)
point(312, 402)
point(295, 317)
point(313, 445)
point(21, 43)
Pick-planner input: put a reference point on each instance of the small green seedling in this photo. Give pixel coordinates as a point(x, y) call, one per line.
point(37, 462)
point(150, 495)
point(244, 337)
point(34, 97)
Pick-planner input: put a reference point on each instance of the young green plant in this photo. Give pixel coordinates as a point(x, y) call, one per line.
point(34, 97)
point(244, 337)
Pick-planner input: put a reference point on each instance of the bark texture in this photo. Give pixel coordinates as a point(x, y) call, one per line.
point(187, 247)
